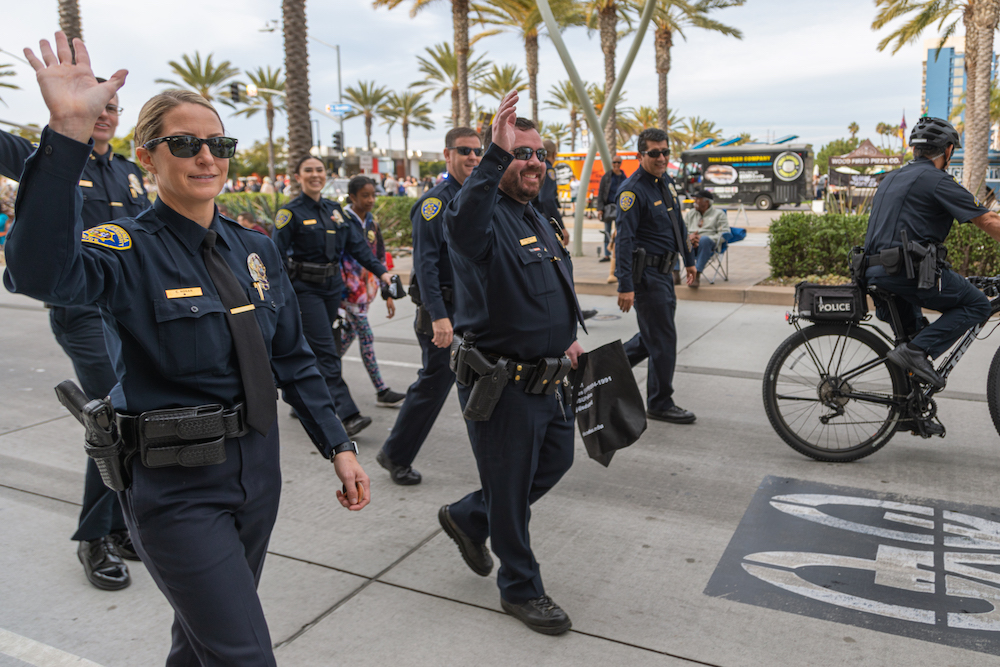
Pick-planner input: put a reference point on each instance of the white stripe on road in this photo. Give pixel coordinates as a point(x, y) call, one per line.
point(37, 653)
point(383, 362)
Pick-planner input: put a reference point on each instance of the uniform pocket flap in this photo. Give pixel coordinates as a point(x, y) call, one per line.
point(531, 256)
point(195, 306)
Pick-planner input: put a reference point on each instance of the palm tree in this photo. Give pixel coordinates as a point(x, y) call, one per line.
point(408, 109)
point(604, 15)
point(69, 22)
point(563, 98)
point(644, 118)
point(460, 23)
point(12, 86)
point(293, 16)
point(554, 131)
point(672, 16)
point(366, 98)
point(853, 129)
point(980, 18)
point(440, 70)
point(624, 126)
point(204, 78)
point(500, 81)
point(693, 130)
point(269, 103)
point(523, 18)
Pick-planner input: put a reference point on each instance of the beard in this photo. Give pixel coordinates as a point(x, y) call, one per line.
point(513, 186)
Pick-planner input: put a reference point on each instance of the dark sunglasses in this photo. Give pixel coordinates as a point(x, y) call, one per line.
point(465, 150)
point(524, 153)
point(657, 153)
point(221, 147)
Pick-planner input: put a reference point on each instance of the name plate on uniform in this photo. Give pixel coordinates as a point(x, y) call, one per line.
point(86, 184)
point(529, 240)
point(657, 202)
point(309, 222)
point(183, 292)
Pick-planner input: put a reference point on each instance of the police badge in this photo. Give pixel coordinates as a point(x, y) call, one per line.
point(136, 184)
point(257, 270)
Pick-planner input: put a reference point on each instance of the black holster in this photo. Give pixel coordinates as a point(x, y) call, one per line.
point(104, 444)
point(638, 266)
point(467, 362)
point(311, 272)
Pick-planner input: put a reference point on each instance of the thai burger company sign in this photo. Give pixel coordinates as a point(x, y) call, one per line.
point(926, 569)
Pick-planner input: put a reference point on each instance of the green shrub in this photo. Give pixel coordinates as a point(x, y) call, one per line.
point(393, 216)
point(972, 252)
point(262, 207)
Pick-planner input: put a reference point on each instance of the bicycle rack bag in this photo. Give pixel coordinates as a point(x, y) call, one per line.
point(830, 303)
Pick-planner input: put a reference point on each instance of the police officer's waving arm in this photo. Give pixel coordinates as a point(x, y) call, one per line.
point(14, 151)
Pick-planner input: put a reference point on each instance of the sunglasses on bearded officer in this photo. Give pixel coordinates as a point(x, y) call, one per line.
point(524, 153)
point(184, 146)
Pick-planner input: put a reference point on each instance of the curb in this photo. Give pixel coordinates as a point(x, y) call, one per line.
point(757, 294)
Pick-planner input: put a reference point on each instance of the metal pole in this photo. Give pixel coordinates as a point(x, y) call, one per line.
point(340, 100)
point(597, 126)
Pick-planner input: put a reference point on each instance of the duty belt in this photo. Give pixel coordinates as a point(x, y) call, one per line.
point(183, 436)
point(663, 262)
point(312, 272)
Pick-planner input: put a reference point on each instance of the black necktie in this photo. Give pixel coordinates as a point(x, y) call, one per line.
point(674, 213)
point(539, 226)
point(255, 364)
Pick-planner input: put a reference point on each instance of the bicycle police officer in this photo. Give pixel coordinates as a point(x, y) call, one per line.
point(433, 283)
point(915, 206)
point(112, 189)
point(650, 235)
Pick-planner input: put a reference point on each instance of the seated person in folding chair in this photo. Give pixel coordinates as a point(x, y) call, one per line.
point(706, 225)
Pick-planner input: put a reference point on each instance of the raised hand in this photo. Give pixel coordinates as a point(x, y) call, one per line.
point(503, 122)
point(71, 92)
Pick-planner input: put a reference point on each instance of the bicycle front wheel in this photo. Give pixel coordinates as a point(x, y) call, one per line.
point(830, 394)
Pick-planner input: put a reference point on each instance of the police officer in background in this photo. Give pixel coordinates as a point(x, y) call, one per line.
point(650, 235)
point(313, 233)
point(112, 189)
point(516, 315)
point(432, 284)
point(917, 204)
point(547, 201)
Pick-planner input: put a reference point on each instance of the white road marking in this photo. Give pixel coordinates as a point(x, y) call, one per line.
point(37, 653)
point(384, 362)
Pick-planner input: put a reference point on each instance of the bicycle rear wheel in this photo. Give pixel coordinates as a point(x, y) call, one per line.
point(821, 392)
point(993, 390)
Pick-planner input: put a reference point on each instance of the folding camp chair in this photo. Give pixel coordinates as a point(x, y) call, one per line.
point(719, 261)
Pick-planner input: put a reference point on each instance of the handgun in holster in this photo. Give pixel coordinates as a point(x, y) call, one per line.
point(103, 442)
point(926, 272)
point(638, 265)
point(487, 388)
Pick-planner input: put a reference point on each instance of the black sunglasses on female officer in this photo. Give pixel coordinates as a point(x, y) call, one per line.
point(185, 146)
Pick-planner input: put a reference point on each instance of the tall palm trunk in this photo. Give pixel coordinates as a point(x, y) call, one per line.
point(531, 57)
point(574, 126)
point(368, 130)
point(980, 21)
point(607, 20)
point(662, 41)
point(269, 115)
point(406, 147)
point(69, 22)
point(460, 17)
point(296, 83)
point(454, 107)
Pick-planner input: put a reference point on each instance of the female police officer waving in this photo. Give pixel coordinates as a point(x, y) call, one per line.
point(206, 317)
point(314, 232)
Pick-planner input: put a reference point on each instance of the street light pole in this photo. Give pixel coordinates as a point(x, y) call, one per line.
point(340, 100)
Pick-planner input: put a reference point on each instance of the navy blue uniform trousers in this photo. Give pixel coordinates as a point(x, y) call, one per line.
point(424, 400)
point(655, 305)
point(202, 534)
point(80, 333)
point(961, 306)
point(319, 312)
point(521, 452)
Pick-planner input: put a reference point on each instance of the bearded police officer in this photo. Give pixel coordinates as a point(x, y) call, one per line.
point(515, 314)
point(112, 188)
point(912, 214)
point(432, 284)
point(650, 236)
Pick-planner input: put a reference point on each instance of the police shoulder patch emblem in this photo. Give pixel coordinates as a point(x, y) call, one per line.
point(551, 173)
point(430, 208)
point(626, 200)
point(109, 236)
point(282, 217)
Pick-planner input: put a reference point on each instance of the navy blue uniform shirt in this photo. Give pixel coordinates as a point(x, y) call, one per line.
point(111, 184)
point(547, 201)
point(149, 278)
point(513, 279)
point(431, 262)
point(921, 199)
point(319, 232)
point(648, 209)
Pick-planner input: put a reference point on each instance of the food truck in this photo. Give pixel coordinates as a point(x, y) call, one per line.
point(762, 175)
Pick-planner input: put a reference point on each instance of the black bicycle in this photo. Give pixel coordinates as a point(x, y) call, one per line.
point(830, 393)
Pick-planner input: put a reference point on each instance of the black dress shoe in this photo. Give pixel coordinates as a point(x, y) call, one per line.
point(674, 415)
point(587, 314)
point(356, 424)
point(123, 545)
point(540, 614)
point(104, 568)
point(475, 554)
point(916, 362)
point(402, 475)
point(606, 258)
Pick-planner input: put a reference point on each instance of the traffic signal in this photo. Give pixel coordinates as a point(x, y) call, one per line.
point(234, 92)
point(338, 142)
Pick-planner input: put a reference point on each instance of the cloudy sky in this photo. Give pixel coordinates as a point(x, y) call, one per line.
point(805, 67)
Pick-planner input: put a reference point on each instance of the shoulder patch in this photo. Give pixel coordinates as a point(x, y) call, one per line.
point(626, 200)
point(551, 173)
point(109, 236)
point(282, 217)
point(430, 208)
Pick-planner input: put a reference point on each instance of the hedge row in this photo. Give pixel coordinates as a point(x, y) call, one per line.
point(803, 244)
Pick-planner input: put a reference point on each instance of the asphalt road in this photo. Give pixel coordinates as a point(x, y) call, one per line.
point(657, 559)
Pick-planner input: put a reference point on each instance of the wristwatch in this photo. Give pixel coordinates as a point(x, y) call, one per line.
point(349, 446)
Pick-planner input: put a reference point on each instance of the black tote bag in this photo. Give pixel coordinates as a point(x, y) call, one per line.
point(610, 411)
